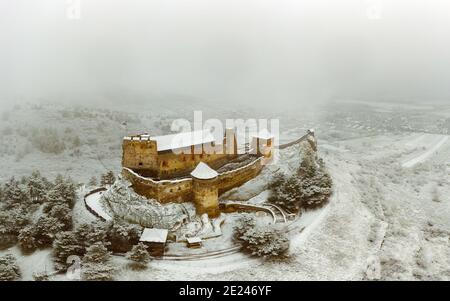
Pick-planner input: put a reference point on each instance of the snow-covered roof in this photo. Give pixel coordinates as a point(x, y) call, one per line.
point(180, 140)
point(204, 172)
point(154, 235)
point(264, 134)
point(194, 240)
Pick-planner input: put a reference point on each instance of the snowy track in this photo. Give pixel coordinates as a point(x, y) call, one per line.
point(424, 156)
point(92, 202)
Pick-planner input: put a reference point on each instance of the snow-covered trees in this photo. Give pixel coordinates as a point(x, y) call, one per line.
point(11, 222)
point(285, 192)
point(98, 232)
point(262, 240)
point(37, 187)
point(14, 194)
point(46, 229)
point(26, 239)
point(66, 244)
point(19, 201)
point(123, 236)
point(89, 242)
point(9, 270)
point(62, 192)
point(309, 187)
point(97, 253)
point(115, 236)
point(107, 178)
point(139, 256)
point(96, 264)
point(63, 214)
point(22, 198)
point(93, 182)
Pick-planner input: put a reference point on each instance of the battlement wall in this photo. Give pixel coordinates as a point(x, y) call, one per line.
point(180, 190)
point(235, 178)
point(163, 190)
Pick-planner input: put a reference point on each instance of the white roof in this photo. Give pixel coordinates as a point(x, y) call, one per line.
point(154, 235)
point(204, 172)
point(264, 134)
point(193, 240)
point(185, 139)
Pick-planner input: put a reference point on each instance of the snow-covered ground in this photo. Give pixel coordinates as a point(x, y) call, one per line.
point(388, 217)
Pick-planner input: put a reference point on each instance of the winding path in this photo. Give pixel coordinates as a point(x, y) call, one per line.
point(424, 156)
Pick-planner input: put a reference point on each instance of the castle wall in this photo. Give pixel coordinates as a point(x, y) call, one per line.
point(140, 155)
point(182, 190)
point(177, 191)
point(235, 178)
point(188, 189)
point(163, 191)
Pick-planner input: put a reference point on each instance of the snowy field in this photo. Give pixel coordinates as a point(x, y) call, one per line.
point(389, 216)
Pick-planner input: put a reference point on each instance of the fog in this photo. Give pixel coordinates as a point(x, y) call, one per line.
point(256, 51)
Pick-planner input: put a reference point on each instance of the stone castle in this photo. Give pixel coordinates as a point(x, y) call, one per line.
point(192, 166)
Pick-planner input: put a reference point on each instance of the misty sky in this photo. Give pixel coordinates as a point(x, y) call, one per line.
point(280, 51)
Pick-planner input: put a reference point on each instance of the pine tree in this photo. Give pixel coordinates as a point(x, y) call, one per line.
point(64, 214)
point(36, 187)
point(261, 240)
point(97, 253)
point(310, 187)
point(9, 270)
point(63, 192)
point(96, 263)
point(98, 233)
point(285, 192)
point(82, 232)
point(46, 229)
point(93, 182)
point(65, 245)
point(14, 194)
point(68, 192)
point(11, 222)
point(123, 236)
point(26, 239)
point(139, 256)
point(108, 178)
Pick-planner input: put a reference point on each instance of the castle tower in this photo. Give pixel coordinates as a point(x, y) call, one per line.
point(205, 190)
point(139, 153)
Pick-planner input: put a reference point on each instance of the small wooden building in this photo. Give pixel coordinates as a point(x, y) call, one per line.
point(155, 239)
point(194, 242)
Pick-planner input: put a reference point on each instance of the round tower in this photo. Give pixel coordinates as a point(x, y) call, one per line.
point(205, 190)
